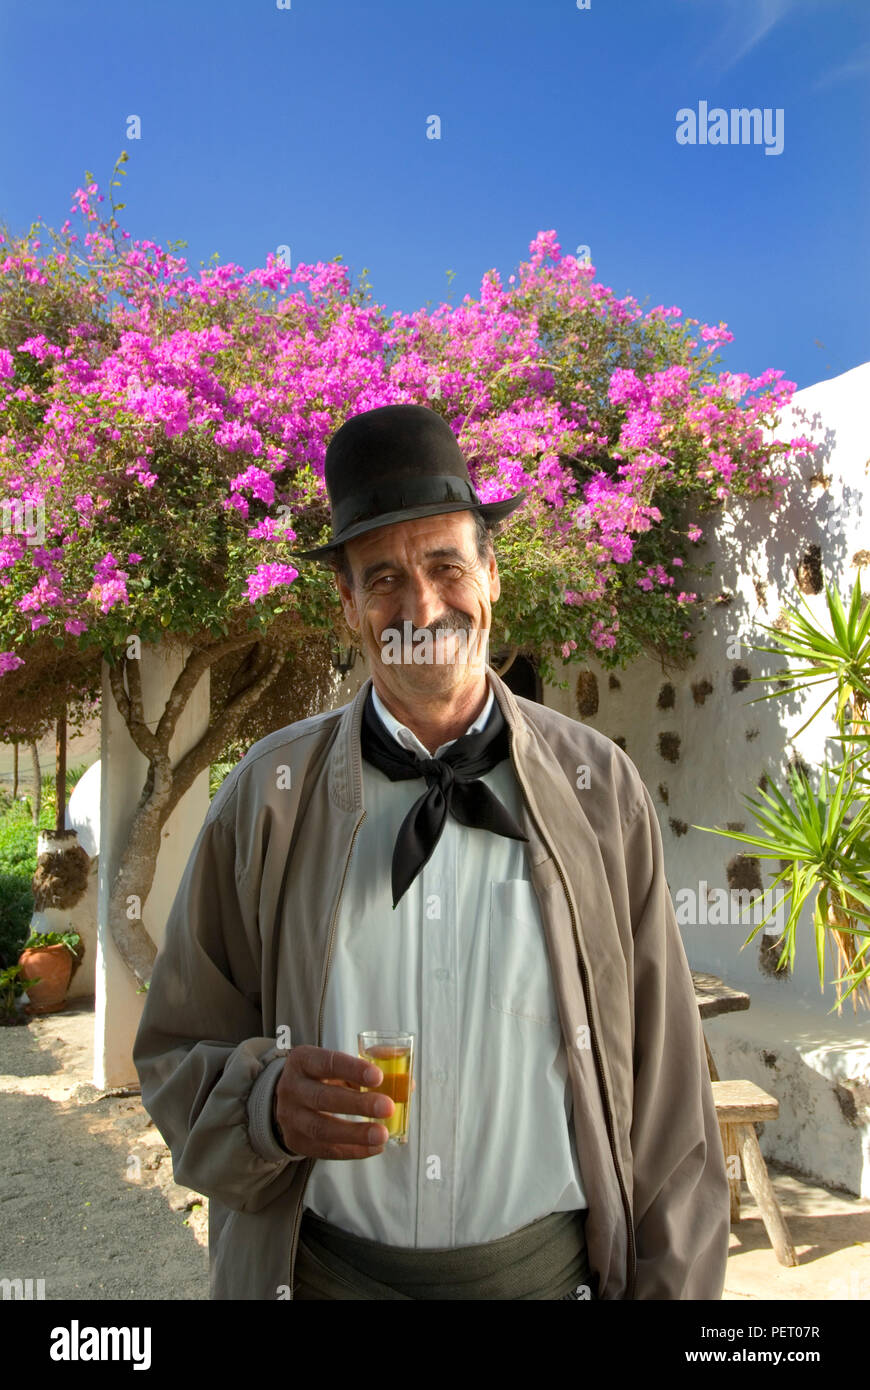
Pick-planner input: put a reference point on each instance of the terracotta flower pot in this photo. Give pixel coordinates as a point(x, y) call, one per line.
point(53, 967)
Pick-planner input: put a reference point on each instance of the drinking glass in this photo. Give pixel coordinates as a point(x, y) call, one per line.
point(394, 1054)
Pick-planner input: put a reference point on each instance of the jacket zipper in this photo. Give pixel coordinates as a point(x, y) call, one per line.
point(595, 1048)
point(311, 1161)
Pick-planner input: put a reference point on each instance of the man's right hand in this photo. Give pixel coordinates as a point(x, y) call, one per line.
point(318, 1084)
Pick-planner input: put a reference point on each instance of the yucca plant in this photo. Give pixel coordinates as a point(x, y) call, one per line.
point(822, 838)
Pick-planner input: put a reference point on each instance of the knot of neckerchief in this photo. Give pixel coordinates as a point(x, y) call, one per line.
point(452, 786)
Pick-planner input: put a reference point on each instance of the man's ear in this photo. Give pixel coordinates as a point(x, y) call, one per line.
point(494, 576)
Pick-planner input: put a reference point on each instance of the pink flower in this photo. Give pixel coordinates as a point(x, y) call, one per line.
point(139, 470)
point(260, 484)
point(694, 533)
point(601, 638)
point(240, 435)
point(108, 593)
point(268, 577)
point(270, 528)
point(621, 548)
point(109, 586)
point(9, 662)
point(716, 335)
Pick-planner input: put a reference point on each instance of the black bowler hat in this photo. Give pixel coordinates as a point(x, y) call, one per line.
point(393, 464)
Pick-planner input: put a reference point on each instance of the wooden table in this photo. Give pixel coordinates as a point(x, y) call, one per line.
point(739, 1104)
point(714, 997)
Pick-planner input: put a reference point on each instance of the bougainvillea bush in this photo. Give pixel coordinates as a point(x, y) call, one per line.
point(173, 428)
point(162, 444)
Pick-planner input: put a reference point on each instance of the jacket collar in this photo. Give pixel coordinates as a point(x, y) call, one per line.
point(345, 763)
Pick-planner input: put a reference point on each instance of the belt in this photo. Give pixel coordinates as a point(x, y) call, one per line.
point(544, 1260)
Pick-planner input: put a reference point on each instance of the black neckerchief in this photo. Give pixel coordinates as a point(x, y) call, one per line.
point(452, 786)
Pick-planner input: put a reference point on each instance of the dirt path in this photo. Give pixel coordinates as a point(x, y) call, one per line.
point(87, 1200)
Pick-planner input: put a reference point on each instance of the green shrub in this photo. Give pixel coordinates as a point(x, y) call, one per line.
point(17, 867)
point(73, 775)
point(18, 837)
point(16, 911)
point(216, 774)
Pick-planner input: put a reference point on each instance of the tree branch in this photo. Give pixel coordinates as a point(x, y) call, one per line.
point(508, 662)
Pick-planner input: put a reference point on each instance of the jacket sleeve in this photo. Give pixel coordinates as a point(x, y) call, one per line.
point(680, 1198)
point(207, 1072)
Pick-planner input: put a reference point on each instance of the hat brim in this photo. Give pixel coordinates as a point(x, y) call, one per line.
point(494, 511)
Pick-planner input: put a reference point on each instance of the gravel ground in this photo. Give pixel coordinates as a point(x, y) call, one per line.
point(87, 1200)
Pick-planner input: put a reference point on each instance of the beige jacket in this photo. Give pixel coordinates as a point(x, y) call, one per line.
point(248, 945)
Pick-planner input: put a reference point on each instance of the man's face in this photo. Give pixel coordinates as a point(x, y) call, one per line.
point(425, 572)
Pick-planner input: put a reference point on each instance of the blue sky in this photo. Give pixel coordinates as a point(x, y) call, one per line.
point(306, 127)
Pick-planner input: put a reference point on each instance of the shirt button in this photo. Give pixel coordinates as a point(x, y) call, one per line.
point(440, 1077)
point(442, 974)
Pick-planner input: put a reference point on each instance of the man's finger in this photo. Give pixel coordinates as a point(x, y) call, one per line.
point(327, 1064)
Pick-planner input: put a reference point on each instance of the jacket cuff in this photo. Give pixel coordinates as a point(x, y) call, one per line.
point(263, 1138)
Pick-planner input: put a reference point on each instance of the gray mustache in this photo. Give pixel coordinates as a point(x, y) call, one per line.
point(459, 620)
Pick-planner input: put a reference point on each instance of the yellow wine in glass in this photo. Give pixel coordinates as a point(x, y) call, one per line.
point(394, 1054)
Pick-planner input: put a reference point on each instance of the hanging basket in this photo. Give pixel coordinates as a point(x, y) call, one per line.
point(62, 870)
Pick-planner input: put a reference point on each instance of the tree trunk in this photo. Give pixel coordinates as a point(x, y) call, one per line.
point(165, 785)
point(60, 775)
point(15, 772)
point(37, 782)
point(847, 950)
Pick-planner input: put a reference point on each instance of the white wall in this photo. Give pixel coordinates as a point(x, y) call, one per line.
point(83, 816)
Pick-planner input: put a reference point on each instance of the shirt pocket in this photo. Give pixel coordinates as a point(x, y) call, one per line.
point(520, 979)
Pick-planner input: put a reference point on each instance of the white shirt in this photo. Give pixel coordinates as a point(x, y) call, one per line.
point(461, 963)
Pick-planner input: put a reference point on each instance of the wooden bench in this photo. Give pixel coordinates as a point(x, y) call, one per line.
point(739, 1105)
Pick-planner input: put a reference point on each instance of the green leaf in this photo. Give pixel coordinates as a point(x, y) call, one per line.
point(838, 617)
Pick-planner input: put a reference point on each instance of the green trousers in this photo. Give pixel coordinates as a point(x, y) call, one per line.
point(545, 1260)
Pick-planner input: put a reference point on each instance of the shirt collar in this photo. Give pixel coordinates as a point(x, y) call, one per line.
point(410, 741)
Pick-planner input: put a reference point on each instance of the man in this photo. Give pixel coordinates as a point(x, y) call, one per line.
point(441, 857)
